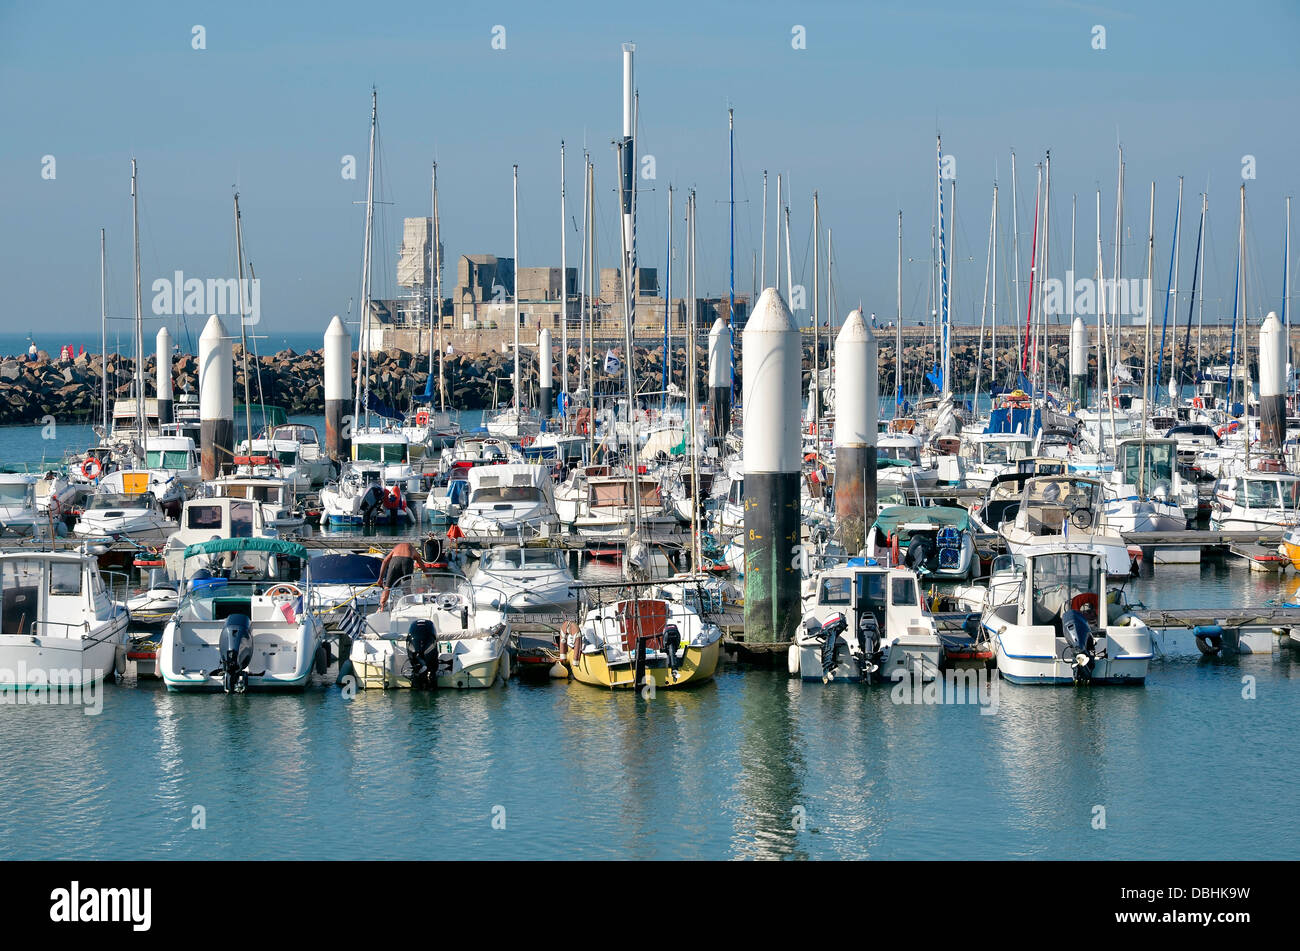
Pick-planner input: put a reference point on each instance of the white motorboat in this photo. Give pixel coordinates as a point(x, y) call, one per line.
point(935, 540)
point(116, 510)
point(18, 510)
point(989, 455)
point(344, 578)
point(59, 625)
point(434, 637)
point(1060, 627)
point(608, 509)
point(514, 425)
point(1259, 500)
point(212, 519)
point(245, 621)
point(510, 500)
point(898, 456)
point(525, 581)
point(362, 494)
point(1064, 508)
point(273, 495)
point(865, 622)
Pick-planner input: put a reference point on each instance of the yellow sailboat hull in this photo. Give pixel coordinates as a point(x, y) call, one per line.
point(698, 665)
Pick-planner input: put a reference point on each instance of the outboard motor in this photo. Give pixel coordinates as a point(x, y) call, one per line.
point(672, 640)
point(372, 502)
point(831, 629)
point(234, 650)
point(918, 553)
point(421, 653)
point(869, 642)
point(1080, 645)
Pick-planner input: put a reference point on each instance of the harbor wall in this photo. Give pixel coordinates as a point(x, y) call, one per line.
point(479, 365)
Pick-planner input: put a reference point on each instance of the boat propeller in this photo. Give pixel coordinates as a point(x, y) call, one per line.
point(234, 650)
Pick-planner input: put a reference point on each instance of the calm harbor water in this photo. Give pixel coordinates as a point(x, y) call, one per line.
point(1185, 768)
point(753, 765)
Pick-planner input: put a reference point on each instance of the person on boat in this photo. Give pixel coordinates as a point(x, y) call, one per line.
point(397, 564)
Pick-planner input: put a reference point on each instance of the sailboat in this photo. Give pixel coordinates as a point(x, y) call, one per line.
point(516, 422)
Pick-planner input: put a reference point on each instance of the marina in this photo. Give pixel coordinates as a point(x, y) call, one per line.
point(763, 526)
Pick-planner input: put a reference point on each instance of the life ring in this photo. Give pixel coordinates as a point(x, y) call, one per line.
point(422, 418)
point(91, 468)
point(1085, 600)
point(1198, 402)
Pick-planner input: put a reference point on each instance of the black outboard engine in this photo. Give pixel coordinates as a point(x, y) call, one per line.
point(1080, 646)
point(918, 554)
point(672, 640)
point(235, 650)
point(372, 502)
point(422, 653)
point(869, 642)
point(830, 632)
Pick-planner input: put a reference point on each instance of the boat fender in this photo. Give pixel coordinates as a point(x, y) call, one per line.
point(119, 663)
point(323, 659)
point(1209, 639)
point(792, 660)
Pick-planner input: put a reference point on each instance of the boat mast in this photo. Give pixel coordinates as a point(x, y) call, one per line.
point(1047, 269)
point(628, 369)
point(515, 295)
point(776, 263)
point(1286, 290)
point(363, 345)
point(668, 303)
point(243, 330)
point(691, 389)
point(1146, 358)
point(103, 336)
point(564, 292)
point(763, 282)
point(898, 325)
point(988, 263)
point(731, 217)
point(814, 389)
point(435, 308)
point(1172, 280)
point(1015, 242)
point(582, 290)
point(139, 313)
point(943, 268)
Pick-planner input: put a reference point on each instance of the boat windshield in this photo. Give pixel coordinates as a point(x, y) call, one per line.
point(167, 459)
point(1159, 464)
point(13, 493)
point(117, 500)
point(910, 454)
point(1270, 493)
point(513, 558)
point(380, 451)
point(507, 493)
point(1060, 578)
point(1000, 453)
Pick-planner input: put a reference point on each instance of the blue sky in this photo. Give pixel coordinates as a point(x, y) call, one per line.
point(280, 95)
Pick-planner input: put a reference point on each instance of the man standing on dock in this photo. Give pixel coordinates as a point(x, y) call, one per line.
point(397, 564)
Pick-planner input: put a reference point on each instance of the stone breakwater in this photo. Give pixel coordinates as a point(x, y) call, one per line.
point(69, 391)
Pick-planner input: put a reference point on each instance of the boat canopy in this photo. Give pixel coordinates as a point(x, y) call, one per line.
point(273, 545)
point(346, 568)
point(921, 517)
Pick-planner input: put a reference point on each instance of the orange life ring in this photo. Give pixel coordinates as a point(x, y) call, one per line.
point(91, 468)
point(422, 418)
point(1198, 402)
point(1086, 599)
